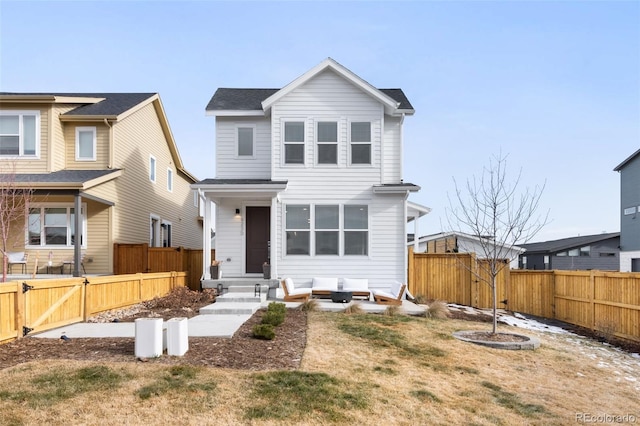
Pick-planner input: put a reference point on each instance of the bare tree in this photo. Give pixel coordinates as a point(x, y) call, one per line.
point(14, 203)
point(499, 216)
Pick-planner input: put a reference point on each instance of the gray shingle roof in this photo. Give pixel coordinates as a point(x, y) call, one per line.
point(627, 160)
point(61, 176)
point(114, 103)
point(567, 243)
point(226, 99)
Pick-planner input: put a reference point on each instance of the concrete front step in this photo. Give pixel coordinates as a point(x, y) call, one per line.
point(241, 297)
point(230, 308)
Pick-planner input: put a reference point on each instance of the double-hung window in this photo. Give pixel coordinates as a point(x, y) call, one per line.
point(360, 142)
point(327, 138)
point(327, 229)
point(152, 168)
point(53, 226)
point(356, 230)
point(245, 141)
point(298, 221)
point(19, 133)
point(85, 143)
point(294, 142)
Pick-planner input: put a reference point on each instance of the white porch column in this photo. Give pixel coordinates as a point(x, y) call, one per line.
point(273, 249)
point(206, 237)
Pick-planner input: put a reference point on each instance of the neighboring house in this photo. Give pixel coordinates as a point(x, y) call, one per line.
point(459, 242)
point(599, 251)
point(110, 155)
point(309, 179)
point(629, 171)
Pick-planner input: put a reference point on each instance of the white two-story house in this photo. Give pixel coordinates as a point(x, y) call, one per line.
point(309, 180)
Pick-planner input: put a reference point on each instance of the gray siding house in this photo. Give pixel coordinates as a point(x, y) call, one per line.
point(587, 252)
point(629, 171)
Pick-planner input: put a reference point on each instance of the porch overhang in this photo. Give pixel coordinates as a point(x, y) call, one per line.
point(240, 188)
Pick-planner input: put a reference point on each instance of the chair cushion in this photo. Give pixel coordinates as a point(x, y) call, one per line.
point(357, 284)
point(383, 293)
point(16, 257)
point(324, 284)
point(298, 291)
point(395, 288)
point(290, 286)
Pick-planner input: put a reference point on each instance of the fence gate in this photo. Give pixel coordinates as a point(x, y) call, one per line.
point(52, 303)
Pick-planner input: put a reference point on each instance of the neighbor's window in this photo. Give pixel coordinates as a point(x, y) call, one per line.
point(356, 230)
point(298, 222)
point(585, 251)
point(327, 229)
point(294, 142)
point(85, 143)
point(245, 141)
point(152, 169)
point(629, 210)
point(166, 233)
point(360, 142)
point(53, 226)
point(169, 180)
point(327, 138)
point(19, 133)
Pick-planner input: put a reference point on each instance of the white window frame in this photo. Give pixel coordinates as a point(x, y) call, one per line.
point(153, 166)
point(43, 238)
point(367, 230)
point(303, 142)
point(93, 147)
point(316, 229)
point(369, 143)
point(20, 134)
point(169, 179)
point(253, 141)
point(155, 237)
point(309, 229)
point(336, 143)
point(166, 230)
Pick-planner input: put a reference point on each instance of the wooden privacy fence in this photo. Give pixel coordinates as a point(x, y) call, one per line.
point(136, 258)
point(37, 305)
point(608, 302)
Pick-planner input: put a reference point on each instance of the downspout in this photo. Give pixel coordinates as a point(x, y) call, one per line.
point(402, 146)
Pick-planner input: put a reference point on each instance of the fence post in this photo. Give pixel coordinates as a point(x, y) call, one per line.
point(20, 309)
point(592, 299)
point(474, 281)
point(410, 277)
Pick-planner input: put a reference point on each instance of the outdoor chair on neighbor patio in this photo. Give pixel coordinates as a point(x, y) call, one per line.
point(359, 287)
point(392, 297)
point(70, 263)
point(293, 294)
point(17, 258)
point(323, 286)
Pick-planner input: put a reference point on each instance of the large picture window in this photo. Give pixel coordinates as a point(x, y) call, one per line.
point(360, 142)
point(327, 137)
point(294, 142)
point(298, 222)
point(19, 133)
point(53, 226)
point(320, 228)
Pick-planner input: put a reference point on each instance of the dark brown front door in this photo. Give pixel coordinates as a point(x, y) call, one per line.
point(258, 234)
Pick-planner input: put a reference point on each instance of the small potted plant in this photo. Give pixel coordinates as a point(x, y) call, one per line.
point(215, 269)
point(266, 271)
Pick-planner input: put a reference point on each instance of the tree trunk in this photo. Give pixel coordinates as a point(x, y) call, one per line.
point(495, 302)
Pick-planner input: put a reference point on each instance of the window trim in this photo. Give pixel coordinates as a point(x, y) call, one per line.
point(303, 142)
point(237, 141)
point(21, 114)
point(170, 179)
point(369, 143)
point(318, 143)
point(154, 230)
point(68, 207)
point(164, 225)
point(367, 230)
point(153, 167)
point(93, 130)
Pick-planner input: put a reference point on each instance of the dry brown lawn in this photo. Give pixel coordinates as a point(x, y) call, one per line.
point(356, 369)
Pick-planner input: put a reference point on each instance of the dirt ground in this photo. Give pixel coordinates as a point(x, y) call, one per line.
point(240, 352)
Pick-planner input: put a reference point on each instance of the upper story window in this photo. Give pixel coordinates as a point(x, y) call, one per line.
point(19, 133)
point(54, 225)
point(169, 180)
point(85, 143)
point(360, 142)
point(294, 142)
point(327, 138)
point(245, 137)
point(152, 168)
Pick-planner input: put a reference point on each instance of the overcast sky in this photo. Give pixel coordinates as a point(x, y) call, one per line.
point(555, 85)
